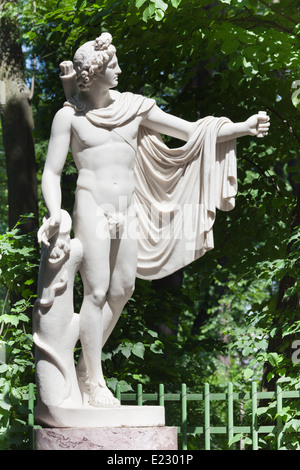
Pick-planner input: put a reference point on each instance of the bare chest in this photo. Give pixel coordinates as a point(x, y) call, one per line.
point(87, 135)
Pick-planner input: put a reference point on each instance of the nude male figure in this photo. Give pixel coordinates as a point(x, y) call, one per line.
point(105, 164)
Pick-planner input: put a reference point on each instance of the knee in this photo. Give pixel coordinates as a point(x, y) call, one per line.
point(121, 294)
point(98, 297)
point(128, 291)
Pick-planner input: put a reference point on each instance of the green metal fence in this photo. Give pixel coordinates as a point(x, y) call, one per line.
point(206, 430)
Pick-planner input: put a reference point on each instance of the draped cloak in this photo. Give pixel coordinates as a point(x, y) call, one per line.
point(177, 191)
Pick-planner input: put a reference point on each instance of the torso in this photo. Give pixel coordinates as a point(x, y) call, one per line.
point(105, 161)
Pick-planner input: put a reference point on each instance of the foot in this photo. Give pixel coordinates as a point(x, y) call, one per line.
point(101, 396)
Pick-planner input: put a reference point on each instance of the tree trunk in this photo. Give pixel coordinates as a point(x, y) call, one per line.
point(17, 122)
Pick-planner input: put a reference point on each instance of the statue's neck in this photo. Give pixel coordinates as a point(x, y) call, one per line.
point(95, 99)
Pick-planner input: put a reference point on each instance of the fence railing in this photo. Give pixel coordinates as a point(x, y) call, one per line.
point(231, 429)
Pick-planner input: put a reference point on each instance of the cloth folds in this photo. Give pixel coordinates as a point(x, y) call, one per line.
point(177, 190)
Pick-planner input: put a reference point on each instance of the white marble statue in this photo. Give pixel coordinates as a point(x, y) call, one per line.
point(141, 209)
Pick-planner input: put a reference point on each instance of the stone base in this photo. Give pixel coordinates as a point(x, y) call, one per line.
point(102, 417)
point(132, 438)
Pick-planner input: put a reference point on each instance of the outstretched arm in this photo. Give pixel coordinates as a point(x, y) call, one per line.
point(57, 153)
point(167, 124)
point(256, 125)
point(173, 126)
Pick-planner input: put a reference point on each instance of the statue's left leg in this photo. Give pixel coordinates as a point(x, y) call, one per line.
point(123, 261)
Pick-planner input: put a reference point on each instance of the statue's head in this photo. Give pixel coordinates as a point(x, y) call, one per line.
point(90, 59)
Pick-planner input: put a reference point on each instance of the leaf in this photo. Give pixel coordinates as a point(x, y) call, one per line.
point(274, 359)
point(148, 12)
point(159, 14)
point(296, 94)
point(273, 332)
point(10, 319)
point(138, 350)
point(160, 4)
point(236, 438)
point(284, 413)
point(112, 383)
point(156, 347)
point(3, 368)
point(152, 333)
point(270, 376)
point(79, 4)
point(175, 3)
point(247, 440)
point(290, 292)
point(126, 350)
point(248, 373)
point(247, 351)
point(106, 355)
point(4, 405)
point(249, 68)
point(229, 46)
point(293, 425)
point(262, 410)
point(124, 386)
point(139, 3)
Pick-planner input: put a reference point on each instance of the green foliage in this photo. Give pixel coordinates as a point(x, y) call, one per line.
point(3, 188)
point(236, 316)
point(18, 274)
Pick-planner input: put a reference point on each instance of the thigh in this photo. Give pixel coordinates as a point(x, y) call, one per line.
point(123, 263)
point(91, 228)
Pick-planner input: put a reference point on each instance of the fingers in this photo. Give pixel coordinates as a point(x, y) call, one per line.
point(43, 233)
point(40, 234)
point(66, 67)
point(42, 237)
point(263, 118)
point(263, 124)
point(45, 241)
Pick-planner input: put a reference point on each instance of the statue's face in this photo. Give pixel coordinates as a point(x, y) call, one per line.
point(110, 73)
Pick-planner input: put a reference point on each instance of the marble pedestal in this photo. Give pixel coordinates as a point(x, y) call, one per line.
point(105, 428)
point(105, 416)
point(112, 438)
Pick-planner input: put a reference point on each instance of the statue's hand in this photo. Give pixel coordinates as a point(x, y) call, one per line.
point(258, 125)
point(68, 78)
point(49, 228)
point(66, 68)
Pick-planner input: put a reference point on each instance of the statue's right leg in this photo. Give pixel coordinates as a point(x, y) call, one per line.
point(95, 273)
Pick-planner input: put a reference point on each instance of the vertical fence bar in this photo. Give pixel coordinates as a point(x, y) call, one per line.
point(30, 414)
point(184, 416)
point(30, 404)
point(230, 411)
point(206, 416)
point(279, 418)
point(140, 394)
point(161, 395)
point(118, 392)
point(254, 417)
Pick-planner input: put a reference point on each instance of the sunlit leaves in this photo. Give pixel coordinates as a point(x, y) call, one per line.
point(295, 95)
point(155, 9)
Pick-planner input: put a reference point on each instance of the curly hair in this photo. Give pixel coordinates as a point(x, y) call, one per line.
point(90, 58)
